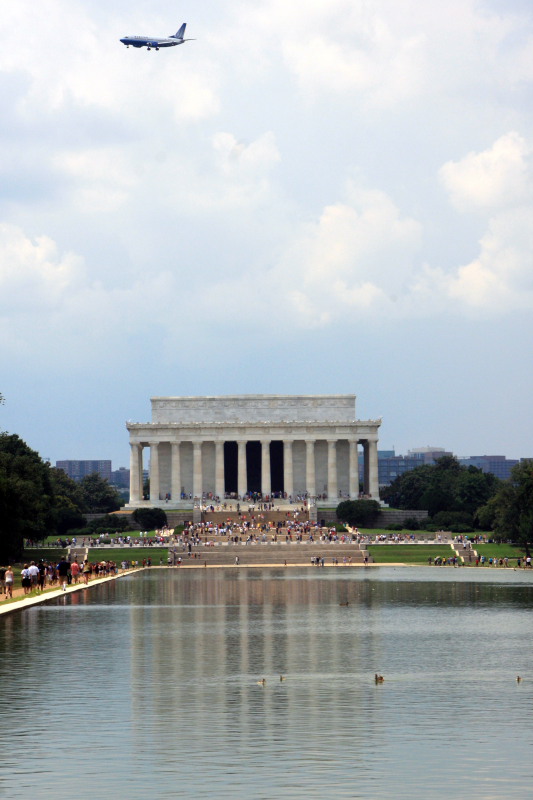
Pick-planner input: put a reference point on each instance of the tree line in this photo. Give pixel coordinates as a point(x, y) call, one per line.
point(458, 498)
point(38, 500)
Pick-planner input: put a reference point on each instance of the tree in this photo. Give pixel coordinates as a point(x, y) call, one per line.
point(69, 504)
point(513, 506)
point(150, 518)
point(445, 486)
point(407, 490)
point(98, 495)
point(358, 512)
point(485, 516)
point(110, 522)
point(26, 496)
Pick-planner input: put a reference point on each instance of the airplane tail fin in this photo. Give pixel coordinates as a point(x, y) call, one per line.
point(181, 33)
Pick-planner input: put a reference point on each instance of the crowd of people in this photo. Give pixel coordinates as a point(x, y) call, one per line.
point(37, 577)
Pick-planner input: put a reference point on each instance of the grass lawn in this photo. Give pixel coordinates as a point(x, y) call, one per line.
point(408, 553)
point(46, 553)
point(502, 550)
point(118, 554)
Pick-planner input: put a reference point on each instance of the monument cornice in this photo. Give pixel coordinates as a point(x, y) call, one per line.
point(252, 431)
point(259, 424)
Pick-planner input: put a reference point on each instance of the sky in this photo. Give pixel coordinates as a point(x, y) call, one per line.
point(319, 197)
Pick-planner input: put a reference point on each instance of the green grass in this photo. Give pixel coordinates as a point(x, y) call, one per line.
point(118, 554)
point(408, 553)
point(46, 553)
point(499, 551)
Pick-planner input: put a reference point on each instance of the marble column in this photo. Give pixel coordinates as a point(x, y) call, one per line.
point(354, 470)
point(242, 477)
point(373, 470)
point(175, 472)
point(141, 472)
point(220, 479)
point(310, 471)
point(332, 469)
point(135, 473)
point(366, 465)
point(288, 487)
point(197, 470)
point(154, 472)
point(265, 468)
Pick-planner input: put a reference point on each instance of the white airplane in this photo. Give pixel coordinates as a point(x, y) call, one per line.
point(156, 43)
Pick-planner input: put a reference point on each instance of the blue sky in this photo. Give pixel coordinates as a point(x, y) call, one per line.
point(323, 197)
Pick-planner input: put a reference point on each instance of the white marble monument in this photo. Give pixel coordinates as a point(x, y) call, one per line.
point(276, 445)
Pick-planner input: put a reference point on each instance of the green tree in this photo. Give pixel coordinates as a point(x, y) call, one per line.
point(150, 518)
point(445, 486)
point(69, 504)
point(407, 490)
point(26, 496)
point(110, 522)
point(98, 495)
point(358, 512)
point(513, 505)
point(485, 516)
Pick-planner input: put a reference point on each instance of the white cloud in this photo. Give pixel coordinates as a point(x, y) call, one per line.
point(359, 253)
point(500, 176)
point(501, 277)
point(34, 276)
point(497, 182)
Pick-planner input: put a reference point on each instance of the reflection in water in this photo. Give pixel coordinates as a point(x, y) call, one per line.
point(151, 683)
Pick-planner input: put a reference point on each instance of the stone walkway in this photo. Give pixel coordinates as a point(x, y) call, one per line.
point(21, 600)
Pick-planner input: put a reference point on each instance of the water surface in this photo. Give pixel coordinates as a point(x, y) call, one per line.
point(147, 686)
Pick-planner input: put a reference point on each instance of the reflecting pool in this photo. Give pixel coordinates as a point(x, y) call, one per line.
point(147, 687)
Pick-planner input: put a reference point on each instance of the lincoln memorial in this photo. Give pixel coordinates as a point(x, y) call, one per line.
point(276, 445)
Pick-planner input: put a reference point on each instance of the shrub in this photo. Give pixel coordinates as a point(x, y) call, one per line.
point(80, 532)
point(358, 512)
point(150, 518)
point(411, 524)
point(459, 527)
point(109, 522)
point(394, 526)
point(446, 519)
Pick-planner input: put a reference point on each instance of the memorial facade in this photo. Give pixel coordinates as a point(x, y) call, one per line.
point(273, 445)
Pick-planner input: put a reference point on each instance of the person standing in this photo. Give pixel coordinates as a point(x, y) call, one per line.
point(33, 571)
point(75, 570)
point(26, 579)
point(86, 571)
point(42, 575)
point(10, 580)
point(63, 569)
point(2, 580)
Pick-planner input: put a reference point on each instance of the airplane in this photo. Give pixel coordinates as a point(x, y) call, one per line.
point(156, 43)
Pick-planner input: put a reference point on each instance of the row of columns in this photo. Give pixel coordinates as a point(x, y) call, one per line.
point(370, 461)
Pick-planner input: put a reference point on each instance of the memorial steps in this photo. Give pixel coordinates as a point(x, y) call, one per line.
point(273, 553)
point(258, 517)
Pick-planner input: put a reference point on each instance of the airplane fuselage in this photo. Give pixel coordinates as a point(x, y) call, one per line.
point(150, 41)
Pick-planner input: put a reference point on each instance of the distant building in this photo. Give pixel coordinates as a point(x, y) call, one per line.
point(390, 466)
point(497, 465)
point(77, 470)
point(121, 478)
point(428, 455)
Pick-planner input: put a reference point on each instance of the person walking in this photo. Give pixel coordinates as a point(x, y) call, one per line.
point(10, 580)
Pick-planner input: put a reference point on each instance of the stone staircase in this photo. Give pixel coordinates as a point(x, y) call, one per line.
point(294, 513)
point(274, 553)
point(78, 554)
